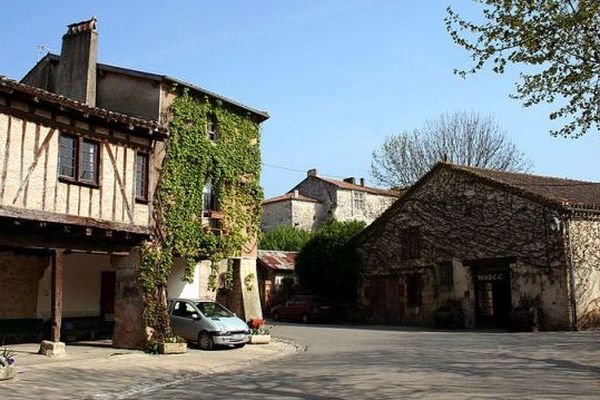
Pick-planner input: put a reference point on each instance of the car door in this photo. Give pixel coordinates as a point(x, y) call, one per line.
point(182, 322)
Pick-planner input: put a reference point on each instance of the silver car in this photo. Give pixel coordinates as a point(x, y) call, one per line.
point(207, 323)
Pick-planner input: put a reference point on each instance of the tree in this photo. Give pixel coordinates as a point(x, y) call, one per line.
point(462, 138)
point(558, 40)
point(326, 265)
point(284, 238)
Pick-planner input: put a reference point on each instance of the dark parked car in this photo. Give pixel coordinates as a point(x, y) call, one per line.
point(304, 308)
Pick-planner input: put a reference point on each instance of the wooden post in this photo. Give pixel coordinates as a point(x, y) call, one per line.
point(57, 294)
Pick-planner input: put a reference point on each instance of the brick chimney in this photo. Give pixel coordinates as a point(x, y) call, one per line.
point(76, 76)
point(351, 180)
point(312, 172)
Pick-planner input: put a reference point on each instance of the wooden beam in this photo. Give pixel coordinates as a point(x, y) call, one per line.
point(57, 294)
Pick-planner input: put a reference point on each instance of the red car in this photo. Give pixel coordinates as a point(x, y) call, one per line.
point(304, 308)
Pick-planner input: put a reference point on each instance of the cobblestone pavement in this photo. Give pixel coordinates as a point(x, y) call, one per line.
point(97, 371)
point(382, 363)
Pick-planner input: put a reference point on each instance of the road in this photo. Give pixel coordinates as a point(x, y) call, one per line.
point(384, 363)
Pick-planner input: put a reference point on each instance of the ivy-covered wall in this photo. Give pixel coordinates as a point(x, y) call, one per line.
point(232, 163)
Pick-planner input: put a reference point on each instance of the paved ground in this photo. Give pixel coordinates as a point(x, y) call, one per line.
point(371, 363)
point(97, 371)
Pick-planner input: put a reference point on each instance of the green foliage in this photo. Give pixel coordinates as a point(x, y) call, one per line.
point(556, 39)
point(284, 238)
point(232, 163)
point(327, 264)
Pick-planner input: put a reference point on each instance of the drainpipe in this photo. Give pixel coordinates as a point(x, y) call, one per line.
point(572, 299)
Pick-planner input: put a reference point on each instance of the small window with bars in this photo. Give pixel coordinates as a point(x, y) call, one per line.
point(141, 177)
point(210, 198)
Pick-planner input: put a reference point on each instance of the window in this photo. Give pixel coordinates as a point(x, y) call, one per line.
point(67, 156)
point(183, 309)
point(413, 290)
point(210, 199)
point(141, 177)
point(446, 272)
point(410, 243)
point(212, 127)
point(359, 201)
point(88, 168)
point(78, 159)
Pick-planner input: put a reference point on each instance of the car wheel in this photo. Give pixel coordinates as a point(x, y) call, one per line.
point(205, 341)
point(305, 318)
point(276, 316)
point(239, 346)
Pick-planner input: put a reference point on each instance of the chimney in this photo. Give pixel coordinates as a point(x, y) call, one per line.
point(351, 180)
point(312, 172)
point(362, 181)
point(76, 76)
point(296, 194)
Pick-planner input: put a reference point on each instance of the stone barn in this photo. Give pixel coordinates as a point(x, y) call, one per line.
point(488, 245)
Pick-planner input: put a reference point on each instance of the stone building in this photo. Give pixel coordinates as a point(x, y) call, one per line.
point(317, 199)
point(83, 145)
point(490, 243)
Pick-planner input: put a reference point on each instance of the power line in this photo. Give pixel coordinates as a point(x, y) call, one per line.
point(303, 171)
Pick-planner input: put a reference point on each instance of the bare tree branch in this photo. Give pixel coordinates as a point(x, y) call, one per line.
point(462, 138)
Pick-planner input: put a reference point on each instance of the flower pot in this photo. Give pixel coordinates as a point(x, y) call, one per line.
point(172, 348)
point(7, 373)
point(260, 339)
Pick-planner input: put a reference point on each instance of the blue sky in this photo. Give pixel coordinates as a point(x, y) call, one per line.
point(336, 76)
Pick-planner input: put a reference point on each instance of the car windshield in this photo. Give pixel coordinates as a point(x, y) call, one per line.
point(213, 310)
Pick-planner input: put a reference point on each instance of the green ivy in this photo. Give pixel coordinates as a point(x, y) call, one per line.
point(232, 162)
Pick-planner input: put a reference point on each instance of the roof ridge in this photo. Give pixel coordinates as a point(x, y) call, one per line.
point(468, 167)
point(82, 107)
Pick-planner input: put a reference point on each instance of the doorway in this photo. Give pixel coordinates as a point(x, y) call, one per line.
point(493, 296)
point(107, 295)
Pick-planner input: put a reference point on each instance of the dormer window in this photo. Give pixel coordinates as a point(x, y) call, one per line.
point(212, 127)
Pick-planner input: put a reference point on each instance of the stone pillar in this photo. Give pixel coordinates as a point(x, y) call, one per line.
point(250, 297)
point(130, 327)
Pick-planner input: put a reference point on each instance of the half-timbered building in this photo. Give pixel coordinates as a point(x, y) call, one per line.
point(74, 187)
point(82, 146)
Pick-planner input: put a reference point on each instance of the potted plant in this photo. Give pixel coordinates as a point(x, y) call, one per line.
point(169, 344)
point(260, 334)
point(525, 317)
point(7, 364)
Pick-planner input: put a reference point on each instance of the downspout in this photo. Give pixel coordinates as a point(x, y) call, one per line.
point(572, 299)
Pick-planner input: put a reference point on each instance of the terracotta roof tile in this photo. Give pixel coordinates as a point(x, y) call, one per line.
point(567, 192)
point(367, 189)
point(290, 196)
point(11, 86)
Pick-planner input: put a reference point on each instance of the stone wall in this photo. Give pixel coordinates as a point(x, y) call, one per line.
point(360, 206)
point(276, 214)
point(461, 220)
point(304, 214)
point(585, 238)
point(19, 278)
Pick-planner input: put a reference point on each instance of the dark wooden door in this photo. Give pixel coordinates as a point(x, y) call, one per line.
point(493, 297)
point(394, 293)
point(107, 294)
